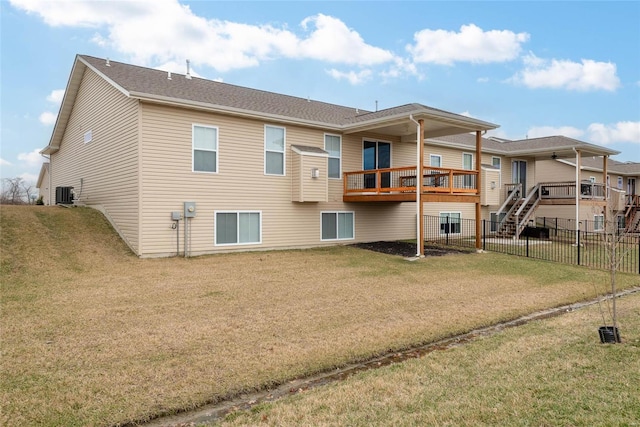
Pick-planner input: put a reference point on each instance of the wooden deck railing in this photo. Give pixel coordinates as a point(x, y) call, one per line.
point(403, 180)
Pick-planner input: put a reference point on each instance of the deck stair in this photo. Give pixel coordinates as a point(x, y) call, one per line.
point(632, 214)
point(633, 221)
point(518, 215)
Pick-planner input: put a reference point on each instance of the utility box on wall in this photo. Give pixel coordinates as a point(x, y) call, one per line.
point(189, 209)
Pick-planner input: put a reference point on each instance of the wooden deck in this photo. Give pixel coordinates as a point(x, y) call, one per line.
point(399, 185)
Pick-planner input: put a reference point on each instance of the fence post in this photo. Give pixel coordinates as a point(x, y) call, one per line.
point(484, 234)
point(447, 230)
point(528, 243)
point(578, 242)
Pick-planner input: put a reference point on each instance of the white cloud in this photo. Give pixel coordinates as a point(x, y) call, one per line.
point(618, 132)
point(564, 74)
point(482, 79)
point(165, 31)
point(333, 41)
point(56, 96)
point(352, 77)
point(48, 118)
point(471, 44)
point(596, 133)
point(31, 159)
point(3, 162)
point(542, 131)
point(466, 114)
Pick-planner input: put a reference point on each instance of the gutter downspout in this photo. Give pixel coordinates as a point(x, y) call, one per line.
point(49, 178)
point(577, 193)
point(419, 157)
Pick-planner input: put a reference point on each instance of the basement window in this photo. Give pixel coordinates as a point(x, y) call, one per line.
point(238, 228)
point(337, 226)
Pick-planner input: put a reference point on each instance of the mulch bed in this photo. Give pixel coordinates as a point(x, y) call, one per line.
point(406, 249)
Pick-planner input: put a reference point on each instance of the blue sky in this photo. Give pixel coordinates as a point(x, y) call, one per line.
point(534, 68)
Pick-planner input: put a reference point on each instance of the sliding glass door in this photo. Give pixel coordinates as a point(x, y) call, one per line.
point(376, 155)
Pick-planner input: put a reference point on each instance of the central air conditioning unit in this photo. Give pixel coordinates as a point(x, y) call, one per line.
point(64, 195)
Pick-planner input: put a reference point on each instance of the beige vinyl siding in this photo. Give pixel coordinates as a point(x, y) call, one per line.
point(305, 188)
point(554, 171)
point(451, 157)
point(108, 165)
point(296, 181)
point(490, 196)
point(241, 185)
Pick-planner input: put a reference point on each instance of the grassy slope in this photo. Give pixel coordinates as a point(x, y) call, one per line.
point(92, 335)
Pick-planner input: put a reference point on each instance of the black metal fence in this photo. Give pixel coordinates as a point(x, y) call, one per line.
point(550, 240)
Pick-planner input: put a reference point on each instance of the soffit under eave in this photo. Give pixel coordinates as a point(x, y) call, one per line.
point(434, 125)
point(561, 153)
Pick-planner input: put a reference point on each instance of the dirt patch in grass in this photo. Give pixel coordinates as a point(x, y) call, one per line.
point(407, 249)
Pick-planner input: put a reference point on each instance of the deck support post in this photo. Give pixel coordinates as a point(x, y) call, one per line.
point(479, 187)
point(420, 187)
point(606, 190)
point(578, 161)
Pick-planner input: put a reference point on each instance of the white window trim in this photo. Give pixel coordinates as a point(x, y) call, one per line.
point(435, 155)
point(215, 234)
point(451, 212)
point(499, 158)
point(620, 183)
point(193, 147)
point(595, 222)
point(472, 158)
point(283, 152)
point(336, 213)
point(331, 157)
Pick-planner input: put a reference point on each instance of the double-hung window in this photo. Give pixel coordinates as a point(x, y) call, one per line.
point(205, 148)
point(238, 228)
point(337, 226)
point(333, 145)
point(274, 144)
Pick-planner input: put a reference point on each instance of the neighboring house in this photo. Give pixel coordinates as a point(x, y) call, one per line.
point(178, 162)
point(622, 179)
point(43, 184)
point(535, 178)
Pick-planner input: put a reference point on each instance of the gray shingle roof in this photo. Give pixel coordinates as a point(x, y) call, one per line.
point(531, 146)
point(146, 82)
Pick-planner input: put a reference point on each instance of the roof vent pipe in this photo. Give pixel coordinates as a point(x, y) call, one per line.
point(376, 105)
point(108, 64)
point(188, 75)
